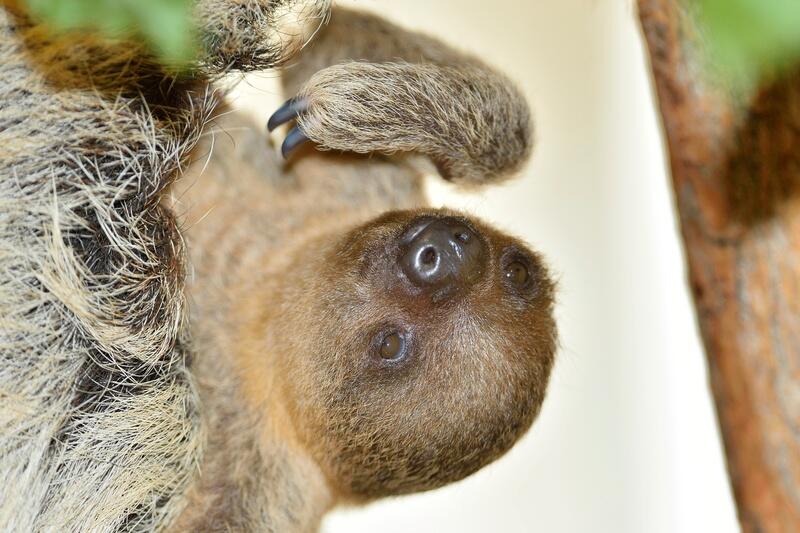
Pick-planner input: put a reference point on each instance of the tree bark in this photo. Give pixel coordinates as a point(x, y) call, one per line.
point(736, 173)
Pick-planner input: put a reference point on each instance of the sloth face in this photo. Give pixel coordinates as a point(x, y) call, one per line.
point(428, 343)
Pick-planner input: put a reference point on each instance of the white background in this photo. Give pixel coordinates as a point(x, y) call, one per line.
point(627, 441)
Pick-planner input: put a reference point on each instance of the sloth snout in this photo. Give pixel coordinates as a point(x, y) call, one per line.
point(442, 253)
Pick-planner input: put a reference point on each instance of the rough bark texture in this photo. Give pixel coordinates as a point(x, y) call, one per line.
point(736, 171)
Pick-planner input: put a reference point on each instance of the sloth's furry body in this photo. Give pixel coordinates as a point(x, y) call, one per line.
point(134, 397)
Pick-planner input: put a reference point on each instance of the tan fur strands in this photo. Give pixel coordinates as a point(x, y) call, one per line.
point(251, 34)
point(348, 112)
point(99, 425)
point(192, 330)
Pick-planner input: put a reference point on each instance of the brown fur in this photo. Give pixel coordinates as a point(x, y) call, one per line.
point(295, 273)
point(468, 118)
point(282, 410)
point(99, 422)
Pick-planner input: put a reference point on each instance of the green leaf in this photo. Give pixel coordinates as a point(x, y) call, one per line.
point(164, 25)
point(750, 38)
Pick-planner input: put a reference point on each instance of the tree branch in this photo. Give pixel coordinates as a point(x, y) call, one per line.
point(736, 172)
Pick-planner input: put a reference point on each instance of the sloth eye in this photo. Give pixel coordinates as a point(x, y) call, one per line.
point(392, 346)
point(517, 273)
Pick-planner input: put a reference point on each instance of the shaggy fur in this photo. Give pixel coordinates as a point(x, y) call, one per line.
point(264, 406)
point(295, 275)
point(254, 34)
point(468, 118)
point(99, 425)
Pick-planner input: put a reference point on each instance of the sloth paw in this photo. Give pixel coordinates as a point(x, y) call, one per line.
point(474, 125)
point(290, 110)
point(358, 108)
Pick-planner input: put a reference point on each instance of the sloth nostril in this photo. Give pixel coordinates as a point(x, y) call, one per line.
point(462, 236)
point(428, 256)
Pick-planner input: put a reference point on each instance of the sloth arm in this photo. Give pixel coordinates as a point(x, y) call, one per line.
point(366, 85)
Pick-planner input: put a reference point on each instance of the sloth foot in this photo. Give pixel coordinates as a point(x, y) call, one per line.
point(289, 111)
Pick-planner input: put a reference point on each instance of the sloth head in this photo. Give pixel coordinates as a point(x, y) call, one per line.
point(415, 349)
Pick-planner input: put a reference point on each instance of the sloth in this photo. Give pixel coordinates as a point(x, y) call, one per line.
point(200, 334)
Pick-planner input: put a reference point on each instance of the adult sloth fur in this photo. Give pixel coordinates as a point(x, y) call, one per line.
point(99, 429)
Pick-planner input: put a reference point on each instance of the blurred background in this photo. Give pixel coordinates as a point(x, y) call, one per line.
point(627, 441)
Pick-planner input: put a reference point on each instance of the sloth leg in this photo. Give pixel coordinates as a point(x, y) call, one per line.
point(365, 85)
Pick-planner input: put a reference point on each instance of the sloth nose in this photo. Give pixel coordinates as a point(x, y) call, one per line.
point(443, 253)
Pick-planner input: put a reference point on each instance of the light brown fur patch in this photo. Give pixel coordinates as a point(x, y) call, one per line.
point(266, 405)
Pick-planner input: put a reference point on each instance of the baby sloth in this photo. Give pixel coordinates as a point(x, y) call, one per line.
point(343, 340)
point(353, 343)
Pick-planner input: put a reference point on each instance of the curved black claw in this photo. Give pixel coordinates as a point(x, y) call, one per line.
point(293, 139)
point(288, 111)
